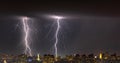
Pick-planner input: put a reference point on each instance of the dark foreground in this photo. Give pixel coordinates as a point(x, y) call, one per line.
point(91, 58)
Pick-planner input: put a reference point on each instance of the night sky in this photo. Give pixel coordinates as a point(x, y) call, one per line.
point(88, 28)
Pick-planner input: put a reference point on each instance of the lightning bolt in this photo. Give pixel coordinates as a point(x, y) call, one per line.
point(26, 31)
point(56, 37)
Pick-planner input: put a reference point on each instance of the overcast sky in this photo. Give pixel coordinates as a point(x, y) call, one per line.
point(89, 28)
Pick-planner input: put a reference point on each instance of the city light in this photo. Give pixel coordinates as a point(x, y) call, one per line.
point(100, 55)
point(38, 57)
point(4, 61)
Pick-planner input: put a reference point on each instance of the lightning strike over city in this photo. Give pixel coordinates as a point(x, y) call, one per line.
point(56, 37)
point(58, 18)
point(61, 32)
point(26, 36)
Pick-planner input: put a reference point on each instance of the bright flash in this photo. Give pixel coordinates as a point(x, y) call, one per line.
point(57, 17)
